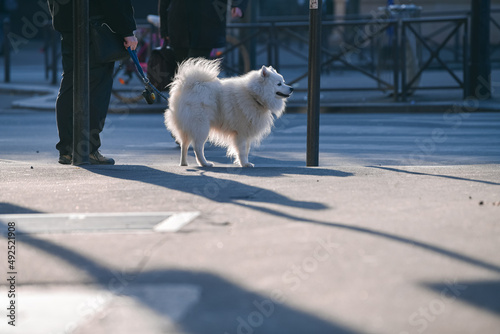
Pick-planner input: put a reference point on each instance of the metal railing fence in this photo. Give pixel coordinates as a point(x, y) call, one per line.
point(389, 55)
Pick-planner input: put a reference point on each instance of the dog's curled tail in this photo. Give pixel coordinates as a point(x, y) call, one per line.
point(196, 70)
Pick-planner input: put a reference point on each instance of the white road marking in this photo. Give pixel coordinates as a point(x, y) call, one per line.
point(176, 222)
point(99, 222)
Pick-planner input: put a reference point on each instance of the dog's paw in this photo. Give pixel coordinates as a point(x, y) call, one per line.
point(248, 164)
point(208, 164)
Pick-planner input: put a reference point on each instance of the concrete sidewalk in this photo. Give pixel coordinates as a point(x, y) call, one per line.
point(396, 232)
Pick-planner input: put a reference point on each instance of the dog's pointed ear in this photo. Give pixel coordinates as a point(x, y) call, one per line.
point(264, 72)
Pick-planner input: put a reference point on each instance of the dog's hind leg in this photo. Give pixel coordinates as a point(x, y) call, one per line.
point(199, 146)
point(199, 151)
point(184, 152)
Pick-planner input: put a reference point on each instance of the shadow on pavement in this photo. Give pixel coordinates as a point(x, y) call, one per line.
point(227, 307)
point(7, 208)
point(436, 175)
point(224, 307)
point(267, 172)
point(483, 294)
point(221, 190)
point(211, 188)
point(413, 243)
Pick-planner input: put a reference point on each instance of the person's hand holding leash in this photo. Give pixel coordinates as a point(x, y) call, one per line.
point(130, 41)
point(236, 12)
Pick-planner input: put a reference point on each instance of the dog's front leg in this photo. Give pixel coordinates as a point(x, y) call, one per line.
point(243, 151)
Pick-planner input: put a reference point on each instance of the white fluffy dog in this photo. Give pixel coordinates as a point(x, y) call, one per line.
point(233, 112)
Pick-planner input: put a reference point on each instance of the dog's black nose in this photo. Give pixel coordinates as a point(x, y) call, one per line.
point(291, 89)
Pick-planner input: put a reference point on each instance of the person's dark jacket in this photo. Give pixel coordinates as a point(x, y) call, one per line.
point(195, 23)
point(118, 14)
point(6, 9)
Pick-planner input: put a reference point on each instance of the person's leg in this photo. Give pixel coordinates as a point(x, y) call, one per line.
point(199, 52)
point(101, 84)
point(2, 18)
point(181, 54)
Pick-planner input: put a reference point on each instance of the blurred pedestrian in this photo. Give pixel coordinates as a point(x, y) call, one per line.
point(119, 15)
point(195, 27)
point(6, 8)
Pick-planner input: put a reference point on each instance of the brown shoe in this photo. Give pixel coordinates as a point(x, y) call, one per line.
point(97, 158)
point(65, 159)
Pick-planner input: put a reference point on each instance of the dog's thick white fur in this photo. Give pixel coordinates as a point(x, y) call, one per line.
point(235, 113)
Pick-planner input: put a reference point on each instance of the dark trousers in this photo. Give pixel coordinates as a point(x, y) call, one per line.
point(101, 83)
point(182, 54)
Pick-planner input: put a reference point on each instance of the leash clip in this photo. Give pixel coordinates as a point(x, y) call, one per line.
point(150, 92)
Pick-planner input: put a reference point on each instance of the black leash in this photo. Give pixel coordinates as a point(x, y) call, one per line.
point(150, 92)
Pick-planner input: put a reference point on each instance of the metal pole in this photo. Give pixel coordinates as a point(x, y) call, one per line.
point(465, 59)
point(313, 88)
point(46, 45)
point(480, 65)
point(276, 51)
point(6, 49)
point(54, 40)
point(81, 123)
point(404, 79)
point(254, 10)
point(396, 60)
point(270, 46)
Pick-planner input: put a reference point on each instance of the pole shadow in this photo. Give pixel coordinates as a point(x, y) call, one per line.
point(484, 294)
point(435, 175)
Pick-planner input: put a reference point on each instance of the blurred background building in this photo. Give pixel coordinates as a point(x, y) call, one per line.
point(29, 8)
point(432, 58)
